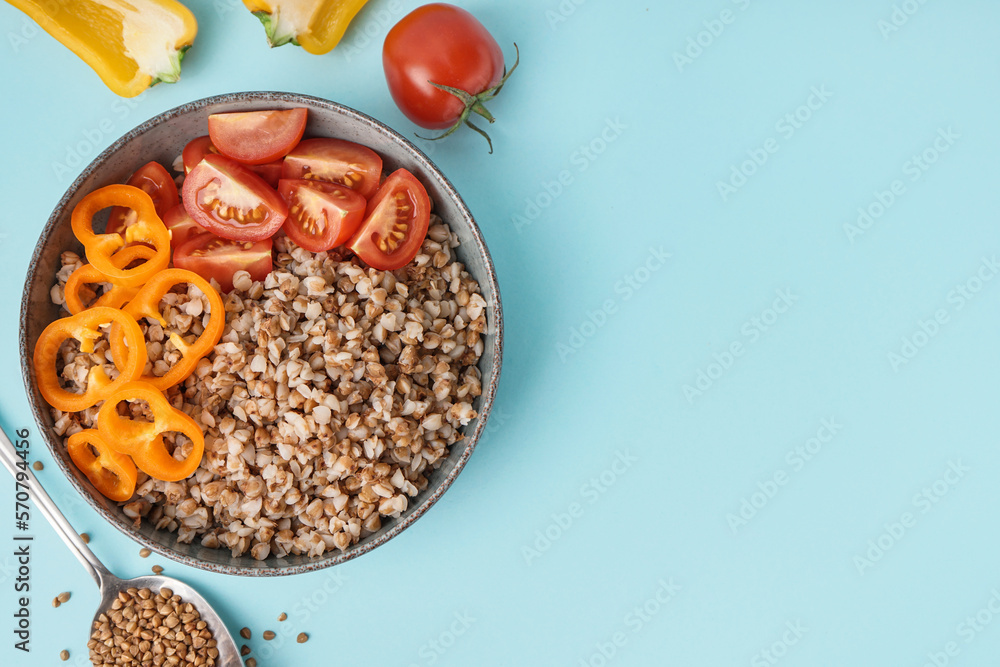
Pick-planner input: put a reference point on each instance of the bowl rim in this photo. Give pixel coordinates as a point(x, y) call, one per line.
point(491, 288)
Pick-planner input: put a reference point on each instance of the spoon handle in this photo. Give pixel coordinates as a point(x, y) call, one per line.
point(23, 475)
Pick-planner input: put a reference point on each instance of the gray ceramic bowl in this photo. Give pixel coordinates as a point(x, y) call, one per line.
point(162, 138)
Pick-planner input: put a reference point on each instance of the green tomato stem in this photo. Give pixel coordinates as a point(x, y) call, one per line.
point(474, 103)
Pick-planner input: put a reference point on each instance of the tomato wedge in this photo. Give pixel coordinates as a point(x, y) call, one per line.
point(321, 215)
point(395, 223)
point(229, 200)
point(181, 225)
point(269, 171)
point(338, 161)
point(157, 183)
point(256, 137)
point(195, 152)
point(197, 149)
point(213, 257)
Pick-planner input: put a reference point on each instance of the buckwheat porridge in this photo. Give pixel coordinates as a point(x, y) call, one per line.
point(333, 393)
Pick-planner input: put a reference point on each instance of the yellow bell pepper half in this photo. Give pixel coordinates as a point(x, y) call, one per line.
point(315, 25)
point(131, 45)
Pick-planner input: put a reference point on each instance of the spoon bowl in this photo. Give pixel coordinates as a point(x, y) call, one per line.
point(110, 585)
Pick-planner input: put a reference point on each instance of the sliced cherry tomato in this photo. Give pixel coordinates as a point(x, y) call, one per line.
point(195, 152)
point(269, 171)
point(256, 137)
point(321, 215)
point(181, 225)
point(229, 200)
point(156, 182)
point(395, 223)
point(202, 146)
point(212, 256)
point(338, 161)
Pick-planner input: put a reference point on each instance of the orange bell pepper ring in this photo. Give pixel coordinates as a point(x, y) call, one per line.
point(143, 440)
point(100, 248)
point(146, 304)
point(85, 327)
point(117, 296)
point(111, 473)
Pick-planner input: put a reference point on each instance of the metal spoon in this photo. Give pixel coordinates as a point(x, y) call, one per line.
point(109, 584)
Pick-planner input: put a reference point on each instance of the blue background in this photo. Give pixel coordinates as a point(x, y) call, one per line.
point(639, 498)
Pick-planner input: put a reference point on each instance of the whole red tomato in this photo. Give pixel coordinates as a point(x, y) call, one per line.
point(441, 64)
